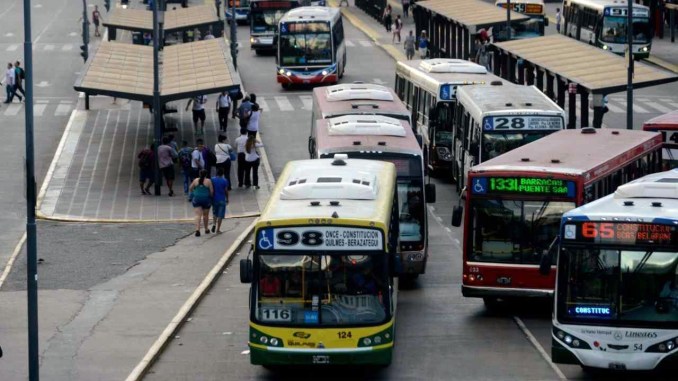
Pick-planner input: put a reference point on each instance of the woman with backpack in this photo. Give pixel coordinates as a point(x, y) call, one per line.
point(201, 196)
point(223, 152)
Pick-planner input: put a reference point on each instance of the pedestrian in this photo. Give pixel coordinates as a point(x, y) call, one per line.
point(201, 197)
point(223, 107)
point(185, 163)
point(422, 45)
point(244, 111)
point(406, 7)
point(240, 143)
point(558, 18)
point(252, 162)
point(197, 159)
point(483, 53)
point(10, 81)
point(147, 38)
point(146, 161)
point(223, 152)
point(198, 113)
point(220, 199)
point(253, 98)
point(173, 143)
point(166, 157)
point(410, 45)
point(19, 76)
point(235, 97)
point(387, 18)
point(96, 16)
point(398, 26)
point(253, 121)
point(209, 35)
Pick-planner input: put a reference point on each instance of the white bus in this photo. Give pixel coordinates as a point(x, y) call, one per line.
point(616, 299)
point(311, 48)
point(264, 18)
point(533, 27)
point(492, 119)
point(242, 10)
point(604, 23)
point(428, 88)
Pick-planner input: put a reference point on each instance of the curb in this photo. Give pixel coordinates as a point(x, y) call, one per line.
point(187, 308)
point(12, 259)
point(43, 217)
point(663, 64)
point(371, 33)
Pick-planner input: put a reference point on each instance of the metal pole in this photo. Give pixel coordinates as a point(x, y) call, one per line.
point(31, 232)
point(234, 37)
point(629, 84)
point(508, 20)
point(157, 112)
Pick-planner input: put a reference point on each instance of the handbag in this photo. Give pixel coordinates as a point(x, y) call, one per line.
point(232, 155)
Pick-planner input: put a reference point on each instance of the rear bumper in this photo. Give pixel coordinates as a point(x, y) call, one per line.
point(500, 292)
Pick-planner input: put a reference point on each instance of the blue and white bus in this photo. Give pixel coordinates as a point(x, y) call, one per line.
point(242, 11)
point(311, 48)
point(616, 303)
point(264, 18)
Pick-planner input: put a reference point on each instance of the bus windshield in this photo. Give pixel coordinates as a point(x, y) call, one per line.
point(412, 211)
point(533, 27)
point(513, 231)
point(615, 30)
point(495, 144)
point(305, 43)
point(266, 20)
point(633, 287)
point(323, 290)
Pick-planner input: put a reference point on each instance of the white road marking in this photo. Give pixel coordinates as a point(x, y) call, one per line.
point(63, 109)
point(656, 106)
point(670, 102)
point(539, 348)
point(636, 108)
point(307, 101)
point(614, 108)
point(263, 105)
point(284, 104)
point(42, 84)
point(67, 47)
point(349, 43)
point(73, 34)
point(12, 48)
point(364, 43)
point(13, 109)
point(39, 108)
point(378, 81)
point(49, 47)
point(10, 34)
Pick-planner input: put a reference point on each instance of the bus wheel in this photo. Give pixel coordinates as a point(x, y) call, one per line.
point(407, 281)
point(285, 85)
point(494, 304)
point(341, 73)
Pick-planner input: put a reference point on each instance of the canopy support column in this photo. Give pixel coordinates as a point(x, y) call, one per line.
point(584, 101)
point(467, 44)
point(561, 92)
point(549, 86)
point(572, 106)
point(540, 78)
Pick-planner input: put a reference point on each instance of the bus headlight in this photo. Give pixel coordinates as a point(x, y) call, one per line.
point(570, 340)
point(281, 71)
point(253, 40)
point(263, 339)
point(377, 340)
point(324, 72)
point(367, 341)
point(664, 346)
point(644, 49)
point(274, 342)
point(289, 73)
point(605, 47)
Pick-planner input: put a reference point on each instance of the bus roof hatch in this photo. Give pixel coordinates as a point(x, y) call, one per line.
point(358, 91)
point(373, 125)
point(450, 65)
point(660, 185)
point(343, 183)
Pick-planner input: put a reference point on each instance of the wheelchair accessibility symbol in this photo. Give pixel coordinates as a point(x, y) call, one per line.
point(479, 186)
point(265, 242)
point(488, 125)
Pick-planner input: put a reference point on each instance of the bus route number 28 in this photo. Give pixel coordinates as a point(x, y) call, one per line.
point(307, 238)
point(509, 123)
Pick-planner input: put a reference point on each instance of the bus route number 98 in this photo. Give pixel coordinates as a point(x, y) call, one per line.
point(307, 238)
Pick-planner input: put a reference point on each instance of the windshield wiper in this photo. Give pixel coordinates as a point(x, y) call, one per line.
point(643, 261)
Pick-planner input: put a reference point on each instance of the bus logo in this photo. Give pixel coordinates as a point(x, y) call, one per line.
point(301, 335)
point(265, 241)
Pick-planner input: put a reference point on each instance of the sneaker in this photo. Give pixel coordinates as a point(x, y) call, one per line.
point(197, 233)
point(214, 228)
point(256, 187)
point(207, 231)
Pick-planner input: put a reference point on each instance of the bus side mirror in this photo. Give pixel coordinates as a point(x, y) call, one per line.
point(457, 213)
point(430, 193)
point(310, 147)
point(546, 21)
point(420, 140)
point(396, 265)
point(246, 271)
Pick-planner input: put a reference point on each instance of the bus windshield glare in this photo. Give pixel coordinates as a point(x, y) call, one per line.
point(513, 231)
point(266, 20)
point(495, 144)
point(631, 287)
point(615, 30)
point(323, 290)
point(305, 43)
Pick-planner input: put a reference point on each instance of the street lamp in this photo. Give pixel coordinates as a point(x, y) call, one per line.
point(629, 83)
point(234, 37)
point(158, 17)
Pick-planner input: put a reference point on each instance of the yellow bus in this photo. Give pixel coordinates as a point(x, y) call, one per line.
point(323, 264)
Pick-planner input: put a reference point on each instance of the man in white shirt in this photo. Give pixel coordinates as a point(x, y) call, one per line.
point(197, 160)
point(223, 108)
point(240, 142)
point(198, 112)
point(10, 81)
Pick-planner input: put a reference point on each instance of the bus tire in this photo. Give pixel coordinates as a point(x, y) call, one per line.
point(285, 86)
point(341, 73)
point(493, 304)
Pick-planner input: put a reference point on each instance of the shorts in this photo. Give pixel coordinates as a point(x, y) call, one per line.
point(204, 203)
point(198, 114)
point(168, 173)
point(145, 174)
point(219, 210)
point(96, 22)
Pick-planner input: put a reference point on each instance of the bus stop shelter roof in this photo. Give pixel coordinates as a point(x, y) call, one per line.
point(472, 14)
point(126, 71)
point(595, 69)
point(141, 20)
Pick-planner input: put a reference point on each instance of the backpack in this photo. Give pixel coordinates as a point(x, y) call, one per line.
point(21, 73)
point(211, 158)
point(185, 158)
point(145, 160)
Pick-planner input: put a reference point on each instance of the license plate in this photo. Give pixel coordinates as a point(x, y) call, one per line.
point(321, 359)
point(306, 81)
point(504, 280)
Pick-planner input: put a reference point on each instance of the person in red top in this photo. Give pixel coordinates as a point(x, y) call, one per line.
point(269, 285)
point(96, 19)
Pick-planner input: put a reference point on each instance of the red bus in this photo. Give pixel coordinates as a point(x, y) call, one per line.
point(667, 124)
point(378, 137)
point(514, 203)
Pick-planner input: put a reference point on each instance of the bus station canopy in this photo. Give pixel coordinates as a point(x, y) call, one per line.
point(471, 14)
point(597, 70)
point(179, 19)
point(126, 71)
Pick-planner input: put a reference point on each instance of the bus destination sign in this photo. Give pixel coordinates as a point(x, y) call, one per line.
point(325, 238)
point(622, 233)
point(523, 186)
point(522, 123)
